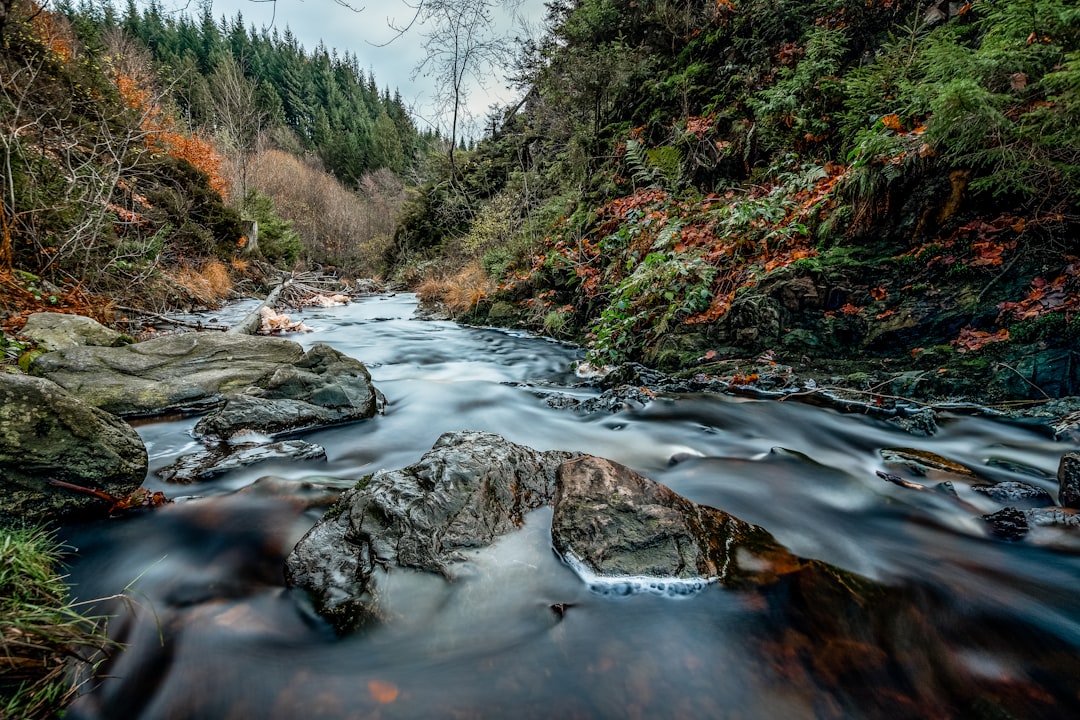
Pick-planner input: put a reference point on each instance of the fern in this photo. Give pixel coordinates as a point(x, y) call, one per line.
point(638, 162)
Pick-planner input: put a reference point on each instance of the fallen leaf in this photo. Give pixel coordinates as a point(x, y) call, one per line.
point(383, 692)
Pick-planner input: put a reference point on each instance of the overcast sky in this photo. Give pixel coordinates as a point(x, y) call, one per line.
point(361, 32)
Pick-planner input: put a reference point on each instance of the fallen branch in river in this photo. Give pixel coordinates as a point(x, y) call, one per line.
point(195, 325)
point(251, 323)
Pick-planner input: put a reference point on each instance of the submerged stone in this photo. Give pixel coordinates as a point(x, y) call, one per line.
point(923, 461)
point(224, 457)
point(1012, 491)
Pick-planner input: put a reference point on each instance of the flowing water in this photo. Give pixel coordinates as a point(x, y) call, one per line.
point(966, 624)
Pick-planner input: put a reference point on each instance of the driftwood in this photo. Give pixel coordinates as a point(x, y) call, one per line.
point(250, 324)
point(194, 325)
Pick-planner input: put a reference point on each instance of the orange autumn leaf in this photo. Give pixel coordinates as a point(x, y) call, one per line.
point(892, 122)
point(887, 313)
point(879, 293)
point(383, 692)
point(971, 340)
point(850, 309)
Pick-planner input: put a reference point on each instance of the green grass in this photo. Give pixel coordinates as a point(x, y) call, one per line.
point(40, 630)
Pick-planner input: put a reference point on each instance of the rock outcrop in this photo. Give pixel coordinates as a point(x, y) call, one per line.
point(469, 489)
point(188, 371)
point(48, 434)
point(611, 525)
point(324, 387)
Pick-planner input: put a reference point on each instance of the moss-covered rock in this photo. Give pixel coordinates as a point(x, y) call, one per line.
point(45, 434)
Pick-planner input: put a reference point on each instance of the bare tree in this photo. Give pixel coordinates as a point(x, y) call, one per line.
point(461, 44)
point(238, 117)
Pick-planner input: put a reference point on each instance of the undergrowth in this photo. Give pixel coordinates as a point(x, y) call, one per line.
point(43, 637)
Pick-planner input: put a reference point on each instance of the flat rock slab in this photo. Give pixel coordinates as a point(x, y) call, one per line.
point(201, 466)
point(611, 522)
point(46, 433)
point(469, 489)
point(59, 331)
point(192, 370)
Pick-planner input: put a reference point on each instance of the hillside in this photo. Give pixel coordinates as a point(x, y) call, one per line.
point(880, 193)
point(155, 161)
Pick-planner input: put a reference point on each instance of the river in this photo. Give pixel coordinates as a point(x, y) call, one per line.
point(210, 631)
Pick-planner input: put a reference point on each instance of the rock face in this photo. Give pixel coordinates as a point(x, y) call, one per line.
point(467, 490)
point(192, 370)
point(59, 331)
point(324, 387)
point(46, 433)
point(617, 523)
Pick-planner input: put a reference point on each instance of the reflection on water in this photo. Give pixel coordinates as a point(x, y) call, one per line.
point(967, 623)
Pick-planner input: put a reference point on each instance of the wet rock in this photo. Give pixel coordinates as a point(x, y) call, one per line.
point(1064, 518)
point(1008, 524)
point(614, 523)
point(922, 423)
point(618, 399)
point(59, 331)
point(1069, 480)
point(166, 373)
point(467, 490)
point(612, 400)
point(46, 433)
point(1014, 524)
point(222, 458)
point(1067, 427)
point(633, 374)
point(923, 461)
point(1014, 492)
point(324, 387)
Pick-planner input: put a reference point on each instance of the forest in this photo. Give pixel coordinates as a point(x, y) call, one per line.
point(879, 198)
point(680, 181)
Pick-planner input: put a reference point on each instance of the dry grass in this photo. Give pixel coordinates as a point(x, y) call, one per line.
point(206, 286)
point(460, 292)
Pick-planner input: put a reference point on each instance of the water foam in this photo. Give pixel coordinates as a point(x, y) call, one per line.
point(625, 585)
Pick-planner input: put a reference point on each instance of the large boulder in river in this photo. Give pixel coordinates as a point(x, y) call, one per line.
point(188, 371)
point(324, 387)
point(59, 331)
point(470, 488)
point(611, 523)
point(47, 434)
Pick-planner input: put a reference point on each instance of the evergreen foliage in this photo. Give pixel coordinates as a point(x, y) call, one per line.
point(331, 106)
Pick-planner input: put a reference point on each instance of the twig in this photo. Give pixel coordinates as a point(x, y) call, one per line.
point(1021, 376)
point(174, 321)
